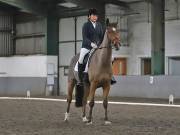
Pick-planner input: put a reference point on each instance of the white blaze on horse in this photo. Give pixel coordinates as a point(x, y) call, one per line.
point(99, 74)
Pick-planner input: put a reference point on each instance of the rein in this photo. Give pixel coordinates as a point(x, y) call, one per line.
point(104, 47)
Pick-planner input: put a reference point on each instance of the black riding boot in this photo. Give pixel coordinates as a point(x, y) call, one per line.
point(80, 72)
point(113, 81)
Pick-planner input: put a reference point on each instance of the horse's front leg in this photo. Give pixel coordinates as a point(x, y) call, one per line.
point(106, 88)
point(86, 94)
point(93, 87)
point(71, 84)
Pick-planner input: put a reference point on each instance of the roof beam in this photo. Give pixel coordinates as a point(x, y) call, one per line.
point(116, 2)
point(71, 13)
point(29, 6)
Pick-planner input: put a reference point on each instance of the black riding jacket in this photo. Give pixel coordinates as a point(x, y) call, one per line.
point(91, 34)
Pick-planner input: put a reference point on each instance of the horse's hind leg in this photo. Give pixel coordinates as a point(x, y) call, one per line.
point(71, 84)
point(106, 89)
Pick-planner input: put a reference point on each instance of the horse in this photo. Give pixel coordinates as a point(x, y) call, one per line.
point(99, 73)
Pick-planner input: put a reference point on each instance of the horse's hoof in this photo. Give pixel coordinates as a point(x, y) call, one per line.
point(89, 123)
point(84, 119)
point(107, 123)
point(66, 118)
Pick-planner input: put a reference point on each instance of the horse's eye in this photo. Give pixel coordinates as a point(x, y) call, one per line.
point(114, 29)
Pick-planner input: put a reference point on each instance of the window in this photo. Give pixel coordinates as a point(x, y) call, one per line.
point(119, 66)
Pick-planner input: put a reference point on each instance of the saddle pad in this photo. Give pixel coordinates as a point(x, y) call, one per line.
point(87, 64)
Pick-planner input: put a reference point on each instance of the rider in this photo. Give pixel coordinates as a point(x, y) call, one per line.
point(93, 34)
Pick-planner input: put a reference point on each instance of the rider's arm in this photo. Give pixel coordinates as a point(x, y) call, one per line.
point(85, 33)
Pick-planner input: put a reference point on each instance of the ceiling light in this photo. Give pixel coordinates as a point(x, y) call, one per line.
point(68, 5)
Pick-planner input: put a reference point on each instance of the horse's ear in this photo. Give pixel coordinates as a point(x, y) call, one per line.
point(107, 22)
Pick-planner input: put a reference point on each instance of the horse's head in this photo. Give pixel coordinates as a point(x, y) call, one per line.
point(113, 34)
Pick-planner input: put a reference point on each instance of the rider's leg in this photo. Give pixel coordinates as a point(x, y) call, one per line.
point(113, 81)
point(83, 52)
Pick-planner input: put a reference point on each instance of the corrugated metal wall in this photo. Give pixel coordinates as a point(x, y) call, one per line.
point(30, 37)
point(6, 39)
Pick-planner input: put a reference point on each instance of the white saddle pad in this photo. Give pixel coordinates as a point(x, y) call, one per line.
point(76, 67)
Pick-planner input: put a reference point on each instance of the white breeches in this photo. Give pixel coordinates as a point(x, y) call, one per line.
point(83, 52)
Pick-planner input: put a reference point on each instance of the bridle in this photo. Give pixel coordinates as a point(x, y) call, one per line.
point(107, 47)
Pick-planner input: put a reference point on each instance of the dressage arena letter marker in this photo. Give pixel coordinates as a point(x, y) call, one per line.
point(151, 79)
point(28, 94)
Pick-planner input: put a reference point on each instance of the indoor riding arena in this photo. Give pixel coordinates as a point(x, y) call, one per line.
point(41, 91)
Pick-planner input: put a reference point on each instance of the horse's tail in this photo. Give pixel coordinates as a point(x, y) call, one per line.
point(79, 95)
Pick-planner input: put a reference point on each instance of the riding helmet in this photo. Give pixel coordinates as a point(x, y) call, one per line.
point(92, 11)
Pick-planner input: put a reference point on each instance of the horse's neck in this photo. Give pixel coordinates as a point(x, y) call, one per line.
point(106, 51)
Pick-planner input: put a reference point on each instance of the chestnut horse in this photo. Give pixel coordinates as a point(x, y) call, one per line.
point(99, 71)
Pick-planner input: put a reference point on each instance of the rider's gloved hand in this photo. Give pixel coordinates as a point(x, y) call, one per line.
point(93, 45)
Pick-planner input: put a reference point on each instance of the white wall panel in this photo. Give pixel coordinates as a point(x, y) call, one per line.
point(79, 44)
point(172, 38)
point(80, 22)
point(171, 9)
point(30, 66)
point(66, 29)
point(141, 13)
point(66, 52)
